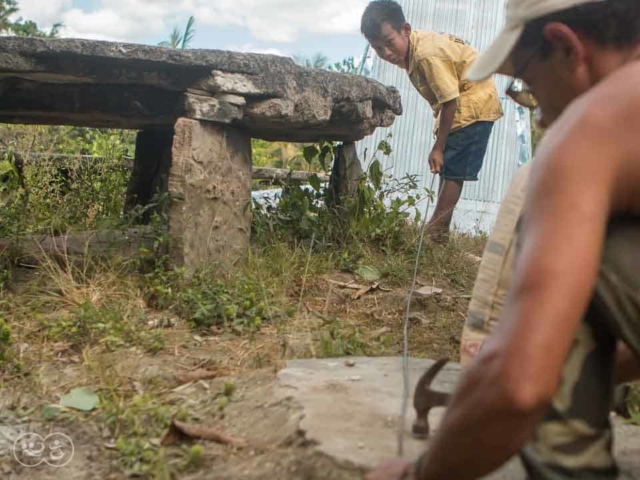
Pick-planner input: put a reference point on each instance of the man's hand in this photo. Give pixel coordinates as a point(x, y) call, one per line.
point(393, 470)
point(436, 160)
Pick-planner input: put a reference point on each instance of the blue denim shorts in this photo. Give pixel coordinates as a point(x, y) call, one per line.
point(465, 150)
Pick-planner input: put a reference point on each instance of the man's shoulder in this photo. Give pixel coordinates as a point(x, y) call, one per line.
point(620, 87)
point(614, 104)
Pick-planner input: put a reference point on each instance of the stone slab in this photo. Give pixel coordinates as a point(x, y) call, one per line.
point(117, 85)
point(350, 412)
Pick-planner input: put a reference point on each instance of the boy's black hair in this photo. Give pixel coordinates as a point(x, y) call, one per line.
point(378, 12)
point(608, 23)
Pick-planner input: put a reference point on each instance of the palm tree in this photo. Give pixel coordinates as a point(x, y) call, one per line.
point(317, 61)
point(181, 40)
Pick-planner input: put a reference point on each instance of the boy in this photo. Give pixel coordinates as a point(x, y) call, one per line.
point(465, 112)
point(570, 329)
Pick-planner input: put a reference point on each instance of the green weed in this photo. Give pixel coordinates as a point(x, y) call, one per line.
point(5, 342)
point(106, 325)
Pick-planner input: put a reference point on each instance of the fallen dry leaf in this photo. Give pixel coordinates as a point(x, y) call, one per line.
point(379, 333)
point(179, 432)
point(196, 376)
point(419, 317)
point(350, 286)
point(362, 292)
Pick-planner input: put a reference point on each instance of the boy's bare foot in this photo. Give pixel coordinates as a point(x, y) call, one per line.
point(438, 236)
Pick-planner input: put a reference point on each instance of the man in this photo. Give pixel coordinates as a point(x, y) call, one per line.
point(570, 329)
point(465, 111)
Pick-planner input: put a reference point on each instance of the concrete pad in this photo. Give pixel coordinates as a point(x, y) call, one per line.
point(350, 412)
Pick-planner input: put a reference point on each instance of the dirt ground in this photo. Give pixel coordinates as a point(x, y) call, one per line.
point(141, 392)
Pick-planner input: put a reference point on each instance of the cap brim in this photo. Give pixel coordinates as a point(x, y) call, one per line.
point(496, 59)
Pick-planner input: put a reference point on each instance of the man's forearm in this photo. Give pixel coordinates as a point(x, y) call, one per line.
point(447, 116)
point(482, 429)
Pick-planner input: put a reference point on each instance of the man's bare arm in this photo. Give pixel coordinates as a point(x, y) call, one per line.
point(507, 390)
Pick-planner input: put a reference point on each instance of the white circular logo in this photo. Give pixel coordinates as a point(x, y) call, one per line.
point(31, 450)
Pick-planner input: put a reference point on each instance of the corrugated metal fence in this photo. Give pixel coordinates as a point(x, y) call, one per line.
point(478, 22)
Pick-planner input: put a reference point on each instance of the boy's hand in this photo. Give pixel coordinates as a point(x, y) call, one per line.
point(393, 470)
point(436, 160)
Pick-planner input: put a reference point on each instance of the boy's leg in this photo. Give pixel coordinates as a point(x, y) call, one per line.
point(448, 197)
point(463, 159)
point(575, 439)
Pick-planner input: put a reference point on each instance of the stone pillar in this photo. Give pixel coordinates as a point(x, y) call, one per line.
point(151, 166)
point(345, 174)
point(210, 191)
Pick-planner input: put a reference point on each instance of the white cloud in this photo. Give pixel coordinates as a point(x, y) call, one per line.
point(44, 13)
point(283, 21)
point(109, 24)
point(252, 48)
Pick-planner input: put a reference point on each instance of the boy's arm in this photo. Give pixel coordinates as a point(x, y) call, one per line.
point(442, 78)
point(505, 393)
point(447, 116)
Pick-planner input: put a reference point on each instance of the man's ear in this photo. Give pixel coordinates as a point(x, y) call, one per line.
point(406, 30)
point(565, 43)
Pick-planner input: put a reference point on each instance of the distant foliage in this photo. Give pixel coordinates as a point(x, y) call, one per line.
point(380, 213)
point(58, 179)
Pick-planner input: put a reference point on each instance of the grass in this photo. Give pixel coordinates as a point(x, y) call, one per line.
point(78, 321)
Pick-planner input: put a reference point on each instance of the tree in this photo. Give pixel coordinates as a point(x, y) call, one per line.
point(29, 28)
point(7, 9)
point(20, 27)
point(317, 61)
point(181, 40)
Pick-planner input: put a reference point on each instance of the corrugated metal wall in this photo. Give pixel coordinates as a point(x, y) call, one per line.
point(478, 22)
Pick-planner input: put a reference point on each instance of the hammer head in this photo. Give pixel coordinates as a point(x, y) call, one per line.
point(425, 398)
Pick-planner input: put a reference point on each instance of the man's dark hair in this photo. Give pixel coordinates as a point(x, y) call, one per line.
point(378, 12)
point(613, 23)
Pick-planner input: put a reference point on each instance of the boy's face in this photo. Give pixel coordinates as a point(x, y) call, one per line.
point(392, 45)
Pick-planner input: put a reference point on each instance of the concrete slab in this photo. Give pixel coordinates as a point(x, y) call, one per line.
point(351, 412)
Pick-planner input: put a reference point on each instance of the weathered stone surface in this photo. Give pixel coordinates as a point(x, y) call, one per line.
point(349, 413)
point(200, 107)
point(345, 174)
point(210, 187)
point(82, 82)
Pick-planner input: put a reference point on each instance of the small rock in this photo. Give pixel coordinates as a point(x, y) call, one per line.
point(361, 446)
point(356, 378)
point(473, 258)
point(161, 323)
point(428, 291)
point(349, 363)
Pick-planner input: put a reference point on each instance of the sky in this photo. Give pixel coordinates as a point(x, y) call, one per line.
point(282, 27)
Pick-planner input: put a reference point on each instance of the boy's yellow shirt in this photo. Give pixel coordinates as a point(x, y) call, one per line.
point(437, 68)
